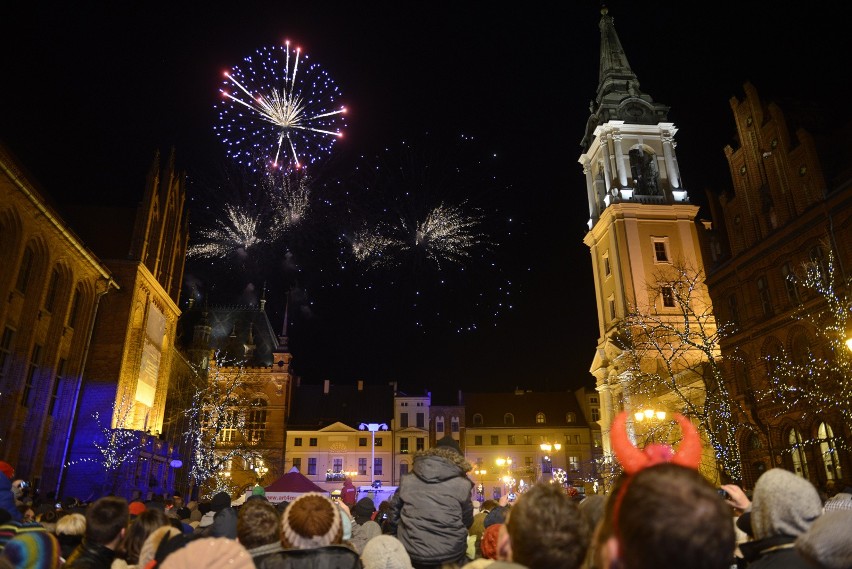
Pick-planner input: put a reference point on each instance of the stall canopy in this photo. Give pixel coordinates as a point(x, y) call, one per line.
point(291, 486)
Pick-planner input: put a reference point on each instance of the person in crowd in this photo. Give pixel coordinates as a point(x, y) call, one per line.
point(783, 507)
point(259, 528)
point(432, 508)
point(827, 543)
point(258, 493)
point(210, 553)
point(385, 552)
point(48, 520)
point(477, 528)
point(106, 523)
point(7, 497)
point(383, 514)
point(544, 529)
point(364, 528)
point(194, 513)
point(70, 530)
point(33, 550)
point(27, 513)
point(127, 553)
point(665, 515)
point(10, 528)
point(155, 539)
point(312, 536)
point(840, 501)
point(224, 518)
point(349, 494)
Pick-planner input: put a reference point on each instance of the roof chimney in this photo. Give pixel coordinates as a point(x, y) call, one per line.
point(325, 385)
point(360, 385)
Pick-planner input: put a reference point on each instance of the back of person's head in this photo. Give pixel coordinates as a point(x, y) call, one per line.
point(826, 544)
point(546, 529)
point(71, 524)
point(138, 531)
point(210, 553)
point(668, 515)
point(258, 523)
point(488, 505)
point(310, 521)
point(385, 552)
point(105, 519)
point(783, 504)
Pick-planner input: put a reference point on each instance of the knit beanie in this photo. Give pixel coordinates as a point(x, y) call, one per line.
point(310, 521)
point(385, 552)
point(258, 491)
point(220, 501)
point(827, 543)
point(33, 550)
point(346, 522)
point(783, 504)
point(363, 510)
point(449, 442)
point(211, 553)
point(488, 545)
point(7, 469)
point(136, 507)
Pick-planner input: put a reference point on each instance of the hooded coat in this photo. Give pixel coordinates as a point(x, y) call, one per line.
point(432, 508)
point(7, 498)
point(783, 507)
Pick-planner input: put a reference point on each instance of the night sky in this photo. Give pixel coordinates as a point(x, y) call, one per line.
point(89, 94)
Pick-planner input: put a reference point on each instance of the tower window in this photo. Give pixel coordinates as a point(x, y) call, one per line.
point(668, 296)
point(661, 254)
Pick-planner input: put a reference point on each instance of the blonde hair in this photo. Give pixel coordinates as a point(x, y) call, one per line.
point(71, 524)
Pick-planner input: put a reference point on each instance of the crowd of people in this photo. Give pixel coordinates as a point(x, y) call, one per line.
point(660, 515)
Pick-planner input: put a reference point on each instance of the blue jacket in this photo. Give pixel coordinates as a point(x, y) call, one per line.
point(7, 498)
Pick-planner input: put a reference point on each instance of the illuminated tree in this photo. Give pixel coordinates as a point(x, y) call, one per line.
point(215, 420)
point(671, 353)
point(817, 377)
point(117, 446)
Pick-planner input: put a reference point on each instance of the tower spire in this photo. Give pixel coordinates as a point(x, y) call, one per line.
point(282, 339)
point(618, 95)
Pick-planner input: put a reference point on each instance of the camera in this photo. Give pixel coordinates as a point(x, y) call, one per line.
point(24, 484)
point(724, 494)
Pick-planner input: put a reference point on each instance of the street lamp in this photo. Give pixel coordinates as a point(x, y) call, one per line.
point(649, 414)
point(507, 462)
point(372, 427)
point(546, 461)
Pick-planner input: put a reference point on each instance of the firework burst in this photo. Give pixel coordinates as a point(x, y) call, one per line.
point(236, 234)
point(426, 231)
point(279, 107)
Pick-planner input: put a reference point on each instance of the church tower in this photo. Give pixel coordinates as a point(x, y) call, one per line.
point(640, 217)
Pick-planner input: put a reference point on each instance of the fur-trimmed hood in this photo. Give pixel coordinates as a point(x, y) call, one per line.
point(439, 463)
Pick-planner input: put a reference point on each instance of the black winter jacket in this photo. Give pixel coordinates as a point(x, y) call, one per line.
point(328, 557)
point(90, 555)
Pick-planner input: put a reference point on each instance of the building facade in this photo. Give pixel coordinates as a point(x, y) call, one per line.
point(53, 286)
point(642, 229)
point(790, 205)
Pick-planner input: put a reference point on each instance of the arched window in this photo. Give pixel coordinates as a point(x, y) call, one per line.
point(828, 451)
point(25, 271)
point(797, 452)
point(540, 418)
point(477, 419)
point(508, 419)
point(800, 350)
point(256, 421)
point(439, 426)
point(643, 168)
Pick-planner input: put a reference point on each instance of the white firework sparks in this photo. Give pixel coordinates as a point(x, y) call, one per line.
point(447, 233)
point(283, 109)
point(237, 233)
point(371, 248)
point(290, 201)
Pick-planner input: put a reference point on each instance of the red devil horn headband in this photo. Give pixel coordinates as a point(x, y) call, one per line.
point(633, 460)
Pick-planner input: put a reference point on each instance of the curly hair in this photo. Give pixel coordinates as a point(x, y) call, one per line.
point(547, 529)
point(138, 532)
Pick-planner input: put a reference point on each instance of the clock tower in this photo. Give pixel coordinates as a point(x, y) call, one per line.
point(640, 216)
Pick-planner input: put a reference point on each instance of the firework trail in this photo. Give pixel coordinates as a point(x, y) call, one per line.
point(234, 235)
point(280, 107)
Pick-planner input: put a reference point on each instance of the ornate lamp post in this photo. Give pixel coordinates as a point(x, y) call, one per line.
point(507, 479)
point(372, 427)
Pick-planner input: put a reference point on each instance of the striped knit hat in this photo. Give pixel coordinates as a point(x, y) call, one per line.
point(33, 550)
point(310, 521)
